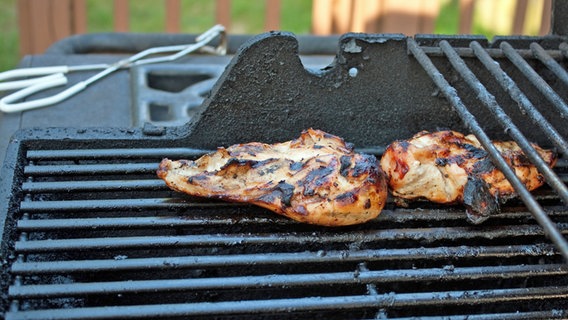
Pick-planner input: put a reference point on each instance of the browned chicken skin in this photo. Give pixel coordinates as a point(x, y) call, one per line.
point(448, 167)
point(317, 178)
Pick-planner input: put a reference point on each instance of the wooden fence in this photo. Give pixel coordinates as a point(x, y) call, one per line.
point(42, 22)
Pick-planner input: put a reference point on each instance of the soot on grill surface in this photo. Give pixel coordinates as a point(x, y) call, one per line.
point(100, 235)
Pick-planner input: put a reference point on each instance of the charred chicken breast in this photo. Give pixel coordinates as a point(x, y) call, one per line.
point(316, 178)
point(448, 167)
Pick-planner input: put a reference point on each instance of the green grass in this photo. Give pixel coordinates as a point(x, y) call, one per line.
point(447, 22)
point(99, 16)
point(297, 16)
point(9, 43)
point(197, 16)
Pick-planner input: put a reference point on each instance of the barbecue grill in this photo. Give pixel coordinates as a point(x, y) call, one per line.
point(89, 232)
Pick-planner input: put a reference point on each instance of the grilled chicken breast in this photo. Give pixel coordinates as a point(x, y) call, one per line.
point(448, 167)
point(316, 178)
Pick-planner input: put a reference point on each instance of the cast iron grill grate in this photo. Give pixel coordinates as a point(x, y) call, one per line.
point(488, 100)
point(100, 237)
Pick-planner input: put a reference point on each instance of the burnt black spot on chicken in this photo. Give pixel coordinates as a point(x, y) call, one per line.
point(268, 169)
point(251, 149)
point(296, 165)
point(286, 191)
point(366, 163)
point(347, 198)
point(345, 162)
point(316, 178)
point(458, 159)
point(197, 177)
point(238, 162)
point(473, 151)
point(483, 166)
point(521, 160)
point(283, 191)
point(479, 202)
point(236, 166)
point(262, 163)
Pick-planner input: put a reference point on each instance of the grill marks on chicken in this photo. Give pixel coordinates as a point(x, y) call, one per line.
point(319, 179)
point(316, 178)
point(448, 167)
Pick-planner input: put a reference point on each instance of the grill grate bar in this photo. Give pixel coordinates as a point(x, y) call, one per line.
point(469, 120)
point(494, 53)
point(90, 169)
point(489, 101)
point(299, 280)
point(153, 153)
point(84, 206)
point(398, 216)
point(423, 234)
point(76, 154)
point(535, 79)
point(405, 254)
point(95, 185)
point(518, 96)
point(134, 222)
point(549, 62)
point(536, 315)
point(445, 298)
point(117, 204)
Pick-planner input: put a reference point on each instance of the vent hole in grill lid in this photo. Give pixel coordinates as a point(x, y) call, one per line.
point(160, 112)
point(175, 82)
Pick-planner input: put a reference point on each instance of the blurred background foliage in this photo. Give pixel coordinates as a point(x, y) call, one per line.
point(247, 18)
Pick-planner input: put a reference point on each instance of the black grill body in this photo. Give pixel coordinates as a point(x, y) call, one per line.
point(89, 232)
